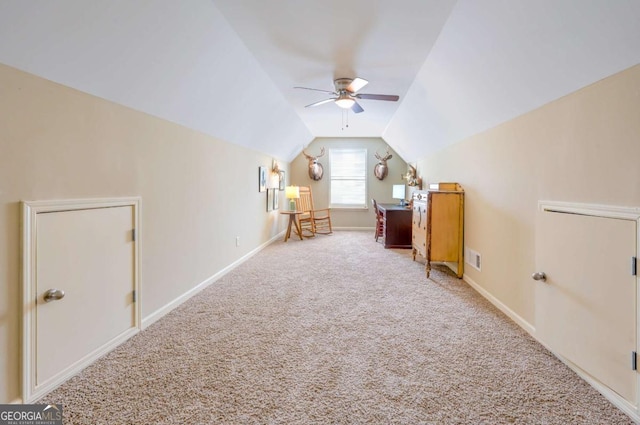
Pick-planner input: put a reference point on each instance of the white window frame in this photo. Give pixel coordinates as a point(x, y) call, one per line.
point(332, 177)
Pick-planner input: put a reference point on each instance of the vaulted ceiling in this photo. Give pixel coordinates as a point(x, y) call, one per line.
point(228, 67)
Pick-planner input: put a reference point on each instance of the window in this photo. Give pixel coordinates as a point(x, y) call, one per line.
point(348, 178)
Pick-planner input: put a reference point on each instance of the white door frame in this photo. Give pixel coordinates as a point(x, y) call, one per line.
point(621, 213)
point(30, 210)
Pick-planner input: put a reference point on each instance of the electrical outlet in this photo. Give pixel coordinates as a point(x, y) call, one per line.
point(237, 240)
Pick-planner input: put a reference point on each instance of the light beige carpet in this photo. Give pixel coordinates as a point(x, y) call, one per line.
point(333, 330)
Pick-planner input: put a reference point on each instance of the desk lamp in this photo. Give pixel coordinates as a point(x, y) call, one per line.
point(398, 193)
point(292, 193)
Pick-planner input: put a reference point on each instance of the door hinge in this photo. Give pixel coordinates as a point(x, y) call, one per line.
point(134, 296)
point(634, 266)
point(634, 360)
point(133, 235)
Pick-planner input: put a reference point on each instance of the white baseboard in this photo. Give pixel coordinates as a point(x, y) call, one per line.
point(162, 311)
point(33, 394)
point(612, 396)
point(38, 391)
point(368, 229)
point(609, 394)
point(502, 307)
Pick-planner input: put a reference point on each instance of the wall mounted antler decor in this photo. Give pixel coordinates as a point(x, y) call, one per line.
point(277, 176)
point(315, 168)
point(411, 177)
point(275, 167)
point(381, 169)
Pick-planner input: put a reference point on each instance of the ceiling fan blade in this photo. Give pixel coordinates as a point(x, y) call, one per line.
point(391, 97)
point(356, 84)
point(324, 91)
point(320, 102)
point(356, 108)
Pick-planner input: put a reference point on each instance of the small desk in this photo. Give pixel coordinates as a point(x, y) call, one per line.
point(397, 226)
point(293, 220)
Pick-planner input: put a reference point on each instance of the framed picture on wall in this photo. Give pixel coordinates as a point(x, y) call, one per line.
point(276, 195)
point(281, 180)
point(270, 196)
point(262, 179)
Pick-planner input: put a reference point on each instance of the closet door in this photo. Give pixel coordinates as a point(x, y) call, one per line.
point(80, 286)
point(586, 308)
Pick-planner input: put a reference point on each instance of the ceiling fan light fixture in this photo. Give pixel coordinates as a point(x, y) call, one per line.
point(346, 92)
point(345, 102)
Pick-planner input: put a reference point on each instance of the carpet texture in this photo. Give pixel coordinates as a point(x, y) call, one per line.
point(333, 330)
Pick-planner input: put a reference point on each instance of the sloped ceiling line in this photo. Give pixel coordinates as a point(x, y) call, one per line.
point(227, 68)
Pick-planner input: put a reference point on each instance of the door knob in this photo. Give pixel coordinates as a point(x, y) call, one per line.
point(539, 276)
point(53, 295)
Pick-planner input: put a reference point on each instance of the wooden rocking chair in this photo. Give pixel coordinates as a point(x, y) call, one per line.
point(311, 220)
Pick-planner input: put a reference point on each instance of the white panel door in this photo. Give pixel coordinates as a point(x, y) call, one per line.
point(88, 254)
point(586, 309)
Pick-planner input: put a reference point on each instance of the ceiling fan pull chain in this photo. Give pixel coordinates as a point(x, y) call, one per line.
point(345, 113)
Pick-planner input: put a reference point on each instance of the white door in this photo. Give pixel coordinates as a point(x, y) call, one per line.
point(89, 255)
point(586, 308)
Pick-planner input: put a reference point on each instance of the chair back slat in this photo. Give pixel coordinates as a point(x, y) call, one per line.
point(305, 201)
point(379, 220)
point(375, 208)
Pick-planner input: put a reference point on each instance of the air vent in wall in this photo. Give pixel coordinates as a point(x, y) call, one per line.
point(472, 258)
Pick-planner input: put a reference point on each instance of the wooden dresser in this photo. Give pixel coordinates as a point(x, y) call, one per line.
point(437, 225)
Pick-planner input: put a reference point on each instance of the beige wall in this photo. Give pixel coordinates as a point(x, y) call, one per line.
point(198, 193)
point(377, 189)
point(584, 147)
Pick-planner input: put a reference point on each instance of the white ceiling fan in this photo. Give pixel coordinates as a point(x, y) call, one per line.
point(346, 93)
